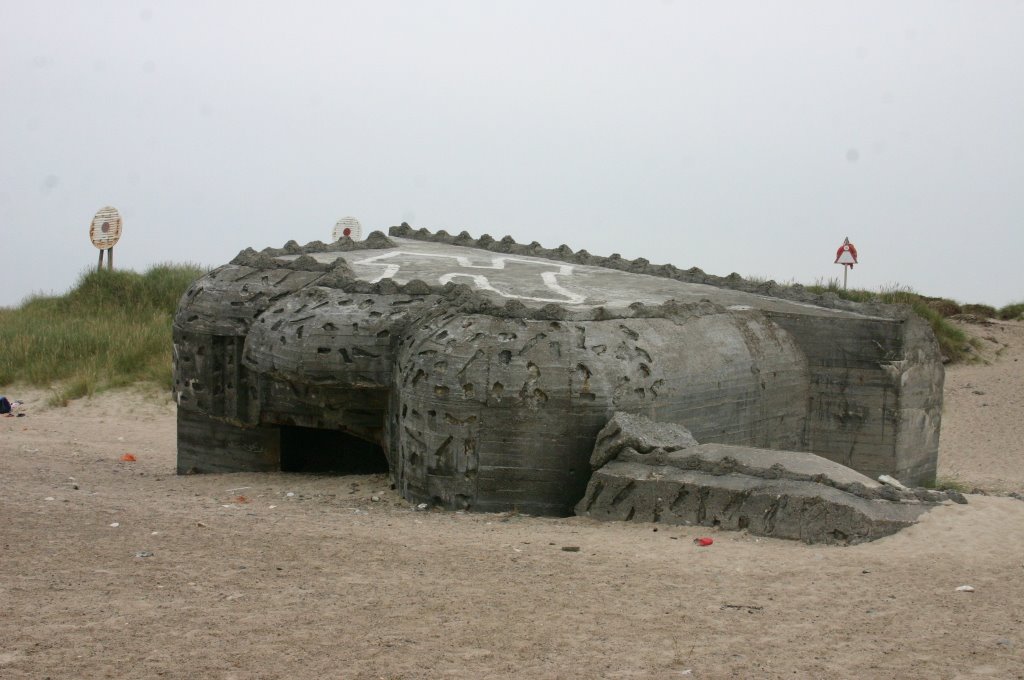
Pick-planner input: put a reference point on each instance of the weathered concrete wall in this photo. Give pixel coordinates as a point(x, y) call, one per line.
point(875, 399)
point(489, 395)
point(208, 444)
point(510, 407)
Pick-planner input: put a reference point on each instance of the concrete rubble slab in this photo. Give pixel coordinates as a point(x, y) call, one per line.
point(669, 478)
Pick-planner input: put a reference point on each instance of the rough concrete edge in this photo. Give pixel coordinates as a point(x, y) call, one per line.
point(376, 240)
point(686, 460)
point(794, 293)
point(338, 275)
point(459, 298)
point(614, 438)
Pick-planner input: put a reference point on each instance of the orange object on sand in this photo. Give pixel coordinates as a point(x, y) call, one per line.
point(128, 458)
point(703, 541)
point(241, 499)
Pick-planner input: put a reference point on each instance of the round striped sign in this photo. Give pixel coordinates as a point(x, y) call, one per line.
point(347, 227)
point(105, 229)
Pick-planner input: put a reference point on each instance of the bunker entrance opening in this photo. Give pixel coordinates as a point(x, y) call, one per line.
point(308, 449)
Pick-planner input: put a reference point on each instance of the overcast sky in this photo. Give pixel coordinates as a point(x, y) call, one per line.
point(733, 136)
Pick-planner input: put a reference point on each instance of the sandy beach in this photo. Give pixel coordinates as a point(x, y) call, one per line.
point(120, 569)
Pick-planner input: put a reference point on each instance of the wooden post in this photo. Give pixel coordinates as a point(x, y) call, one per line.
point(99, 265)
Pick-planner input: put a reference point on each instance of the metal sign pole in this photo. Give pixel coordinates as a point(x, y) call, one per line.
point(110, 258)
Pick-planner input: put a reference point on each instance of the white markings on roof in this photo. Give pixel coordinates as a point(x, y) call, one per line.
point(548, 278)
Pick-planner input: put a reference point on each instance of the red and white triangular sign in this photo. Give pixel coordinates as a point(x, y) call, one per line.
point(847, 254)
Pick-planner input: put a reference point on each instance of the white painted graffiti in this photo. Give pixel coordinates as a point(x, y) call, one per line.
point(549, 279)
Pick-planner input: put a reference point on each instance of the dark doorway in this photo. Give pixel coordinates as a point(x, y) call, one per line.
point(307, 449)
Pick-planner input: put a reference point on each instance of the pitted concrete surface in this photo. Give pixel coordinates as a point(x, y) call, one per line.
point(483, 370)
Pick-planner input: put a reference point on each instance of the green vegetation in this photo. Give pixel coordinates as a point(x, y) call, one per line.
point(904, 295)
point(1012, 312)
point(980, 311)
point(949, 484)
point(112, 329)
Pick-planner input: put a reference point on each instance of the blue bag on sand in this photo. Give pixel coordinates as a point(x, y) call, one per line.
point(5, 406)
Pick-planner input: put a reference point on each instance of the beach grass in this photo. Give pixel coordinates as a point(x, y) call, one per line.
point(949, 484)
point(112, 329)
point(1012, 312)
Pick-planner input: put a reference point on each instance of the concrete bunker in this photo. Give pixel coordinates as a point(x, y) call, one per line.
point(485, 369)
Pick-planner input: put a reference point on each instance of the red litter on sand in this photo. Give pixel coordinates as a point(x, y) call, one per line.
point(128, 458)
point(703, 541)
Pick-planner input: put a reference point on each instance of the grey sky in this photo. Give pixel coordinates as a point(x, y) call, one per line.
point(739, 136)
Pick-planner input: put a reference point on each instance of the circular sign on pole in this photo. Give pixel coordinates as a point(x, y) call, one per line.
point(347, 227)
point(105, 229)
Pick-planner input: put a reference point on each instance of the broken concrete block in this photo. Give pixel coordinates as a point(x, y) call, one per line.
point(626, 430)
point(781, 508)
point(784, 494)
